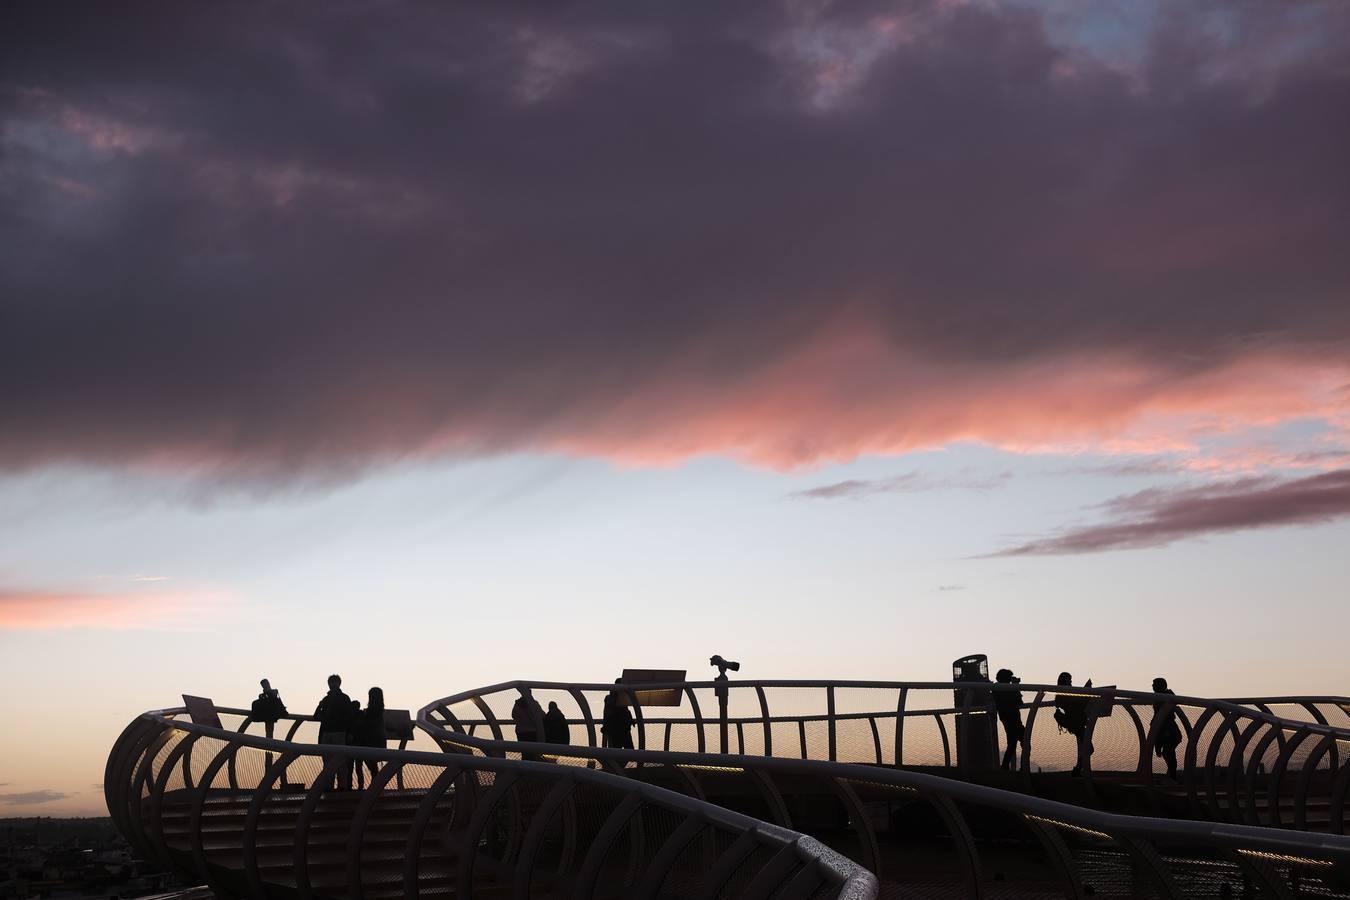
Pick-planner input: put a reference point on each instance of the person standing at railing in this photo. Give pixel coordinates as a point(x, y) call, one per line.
point(1071, 715)
point(334, 713)
point(556, 729)
point(1008, 705)
point(617, 724)
point(369, 732)
point(529, 718)
point(1167, 737)
point(268, 708)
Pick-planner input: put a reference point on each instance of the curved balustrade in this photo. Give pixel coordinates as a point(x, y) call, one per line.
point(257, 817)
point(865, 769)
point(1240, 762)
point(930, 836)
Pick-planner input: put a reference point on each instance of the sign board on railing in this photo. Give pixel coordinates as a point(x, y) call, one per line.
point(661, 696)
point(1101, 706)
point(202, 710)
point(398, 724)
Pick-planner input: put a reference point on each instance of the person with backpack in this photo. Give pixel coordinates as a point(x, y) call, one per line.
point(1071, 716)
point(268, 708)
point(1168, 736)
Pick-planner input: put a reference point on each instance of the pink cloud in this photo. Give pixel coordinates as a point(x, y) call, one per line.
point(26, 610)
point(848, 395)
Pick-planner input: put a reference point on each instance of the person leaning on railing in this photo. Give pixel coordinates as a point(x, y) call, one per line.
point(268, 708)
point(1008, 705)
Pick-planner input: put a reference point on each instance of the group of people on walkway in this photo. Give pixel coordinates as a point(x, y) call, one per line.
point(342, 722)
point(532, 721)
point(1071, 715)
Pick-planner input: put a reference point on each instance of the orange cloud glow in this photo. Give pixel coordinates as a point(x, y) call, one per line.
point(26, 610)
point(851, 395)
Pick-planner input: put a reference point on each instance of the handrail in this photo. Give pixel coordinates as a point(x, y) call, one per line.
point(153, 749)
point(490, 778)
point(1158, 842)
point(994, 687)
point(1246, 786)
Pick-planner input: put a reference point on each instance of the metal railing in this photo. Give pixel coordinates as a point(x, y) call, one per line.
point(1237, 761)
point(969, 836)
point(248, 814)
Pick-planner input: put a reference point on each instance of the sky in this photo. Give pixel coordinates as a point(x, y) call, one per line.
point(441, 345)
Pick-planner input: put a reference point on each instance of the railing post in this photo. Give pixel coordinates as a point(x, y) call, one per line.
point(829, 713)
point(723, 691)
point(900, 726)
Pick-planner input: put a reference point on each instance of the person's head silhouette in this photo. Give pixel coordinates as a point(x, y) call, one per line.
point(266, 685)
point(1004, 676)
point(334, 682)
point(375, 700)
point(1065, 678)
point(1159, 685)
point(553, 706)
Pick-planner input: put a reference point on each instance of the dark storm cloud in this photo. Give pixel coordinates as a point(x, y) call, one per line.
point(283, 242)
point(1159, 516)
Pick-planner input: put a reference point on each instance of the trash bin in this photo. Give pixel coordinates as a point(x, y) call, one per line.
point(976, 748)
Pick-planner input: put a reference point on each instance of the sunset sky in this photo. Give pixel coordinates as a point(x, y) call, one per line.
point(439, 345)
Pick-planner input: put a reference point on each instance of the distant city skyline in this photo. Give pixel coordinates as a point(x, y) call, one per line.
point(450, 345)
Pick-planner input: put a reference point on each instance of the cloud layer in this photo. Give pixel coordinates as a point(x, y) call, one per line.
point(25, 609)
point(32, 798)
point(1159, 516)
point(909, 482)
point(249, 240)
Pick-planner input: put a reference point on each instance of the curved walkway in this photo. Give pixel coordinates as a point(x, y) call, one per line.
point(484, 816)
point(1239, 761)
point(261, 818)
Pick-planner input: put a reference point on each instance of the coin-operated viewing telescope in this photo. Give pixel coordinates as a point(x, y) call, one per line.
point(723, 665)
point(723, 692)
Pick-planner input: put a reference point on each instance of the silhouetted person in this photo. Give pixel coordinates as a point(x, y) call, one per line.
point(351, 740)
point(529, 718)
point(617, 724)
point(1008, 705)
point(1168, 736)
point(369, 731)
point(556, 729)
point(528, 715)
point(1071, 714)
point(268, 708)
point(334, 713)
